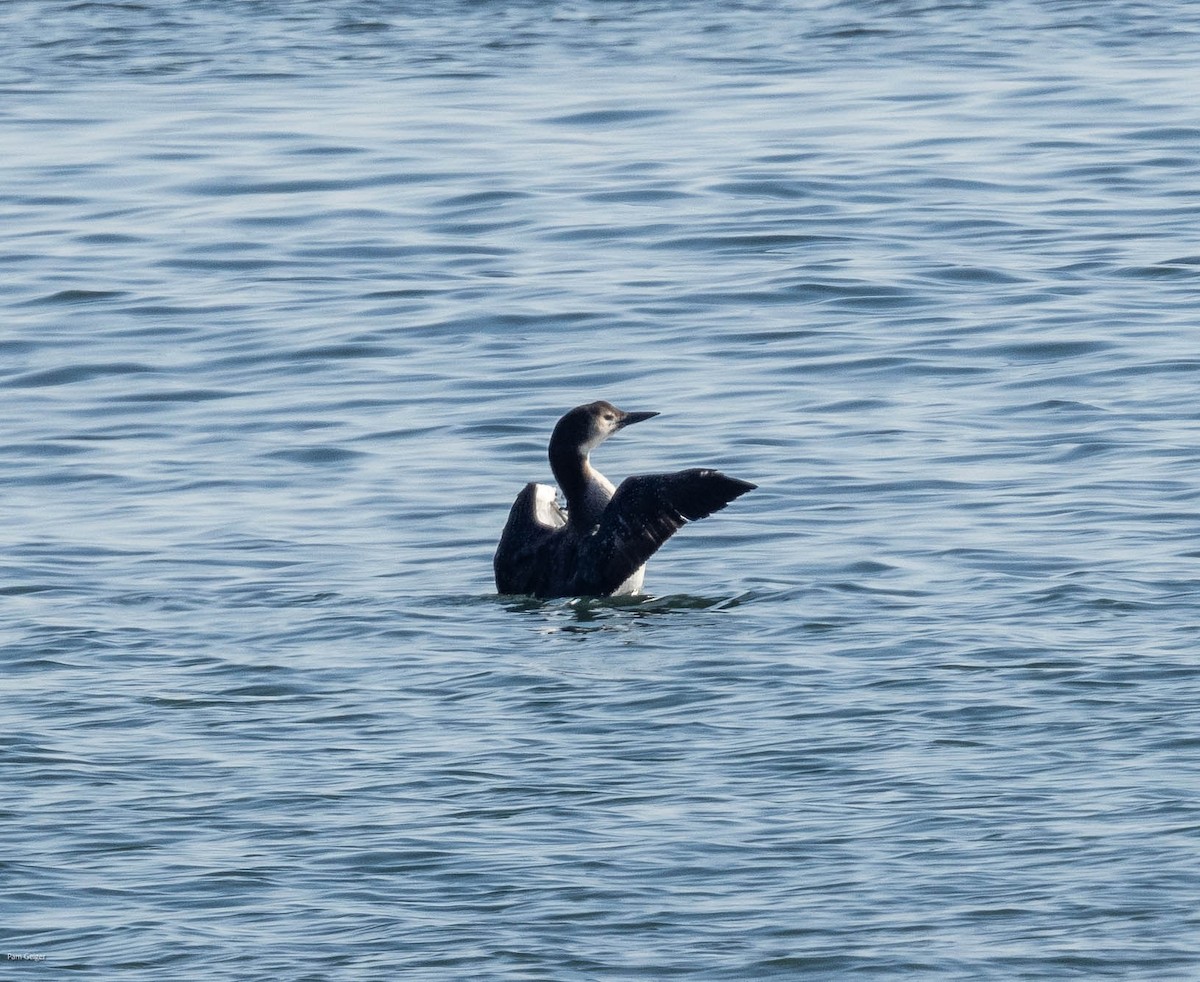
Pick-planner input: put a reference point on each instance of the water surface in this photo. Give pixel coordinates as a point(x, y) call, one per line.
point(293, 294)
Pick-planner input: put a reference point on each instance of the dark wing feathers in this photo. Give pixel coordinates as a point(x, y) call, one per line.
point(644, 513)
point(532, 521)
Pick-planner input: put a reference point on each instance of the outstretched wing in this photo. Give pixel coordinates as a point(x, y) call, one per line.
point(532, 521)
point(643, 514)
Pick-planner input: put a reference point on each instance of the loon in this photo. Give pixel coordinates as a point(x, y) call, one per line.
point(598, 545)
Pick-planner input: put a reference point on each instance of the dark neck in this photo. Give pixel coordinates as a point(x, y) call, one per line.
point(569, 465)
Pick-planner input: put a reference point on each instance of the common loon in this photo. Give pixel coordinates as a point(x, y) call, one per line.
point(599, 545)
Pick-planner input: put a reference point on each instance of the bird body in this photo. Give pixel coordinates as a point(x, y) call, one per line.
point(598, 545)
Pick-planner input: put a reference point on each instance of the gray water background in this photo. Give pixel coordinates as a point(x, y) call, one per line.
point(291, 296)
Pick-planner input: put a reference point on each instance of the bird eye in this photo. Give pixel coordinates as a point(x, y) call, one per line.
point(609, 416)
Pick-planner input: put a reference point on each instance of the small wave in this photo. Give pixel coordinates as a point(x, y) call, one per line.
point(608, 117)
point(78, 373)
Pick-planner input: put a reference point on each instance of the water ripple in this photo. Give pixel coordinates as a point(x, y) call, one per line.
point(295, 294)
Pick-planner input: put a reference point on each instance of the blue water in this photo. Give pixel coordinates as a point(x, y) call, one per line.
point(292, 294)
